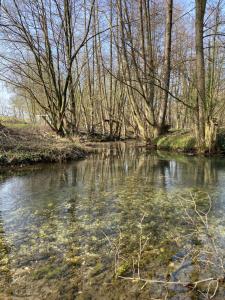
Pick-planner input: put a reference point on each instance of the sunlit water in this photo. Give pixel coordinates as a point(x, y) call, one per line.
point(89, 229)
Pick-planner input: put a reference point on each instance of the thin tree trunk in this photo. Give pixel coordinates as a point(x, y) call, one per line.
point(200, 72)
point(167, 64)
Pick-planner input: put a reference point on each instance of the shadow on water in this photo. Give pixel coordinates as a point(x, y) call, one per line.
point(59, 225)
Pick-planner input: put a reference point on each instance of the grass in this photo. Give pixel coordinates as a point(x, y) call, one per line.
point(24, 145)
point(12, 122)
point(177, 141)
point(185, 141)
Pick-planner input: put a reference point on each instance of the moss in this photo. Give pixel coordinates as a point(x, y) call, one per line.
point(47, 272)
point(186, 142)
point(4, 269)
point(177, 142)
point(74, 261)
point(56, 272)
point(122, 269)
point(99, 268)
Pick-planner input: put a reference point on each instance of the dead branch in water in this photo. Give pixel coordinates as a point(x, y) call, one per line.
point(199, 220)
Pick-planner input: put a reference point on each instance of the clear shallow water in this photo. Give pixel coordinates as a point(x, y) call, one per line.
point(72, 231)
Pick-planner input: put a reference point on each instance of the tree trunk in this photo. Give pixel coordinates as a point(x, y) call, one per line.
point(167, 63)
point(200, 73)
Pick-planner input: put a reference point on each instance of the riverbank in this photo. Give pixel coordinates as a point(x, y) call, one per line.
point(30, 145)
point(23, 144)
point(185, 142)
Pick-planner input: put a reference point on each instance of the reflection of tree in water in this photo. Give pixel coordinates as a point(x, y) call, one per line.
point(122, 169)
point(81, 199)
point(117, 162)
point(112, 167)
point(192, 171)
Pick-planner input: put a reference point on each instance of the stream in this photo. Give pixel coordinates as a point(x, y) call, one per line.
point(110, 226)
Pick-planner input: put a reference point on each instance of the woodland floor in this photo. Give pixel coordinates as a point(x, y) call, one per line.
point(22, 144)
point(25, 144)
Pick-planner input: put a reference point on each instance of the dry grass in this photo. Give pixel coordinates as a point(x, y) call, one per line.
point(32, 144)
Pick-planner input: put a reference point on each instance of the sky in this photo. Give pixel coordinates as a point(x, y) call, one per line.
point(5, 95)
point(5, 92)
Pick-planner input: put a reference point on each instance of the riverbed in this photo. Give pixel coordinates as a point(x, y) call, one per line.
point(125, 223)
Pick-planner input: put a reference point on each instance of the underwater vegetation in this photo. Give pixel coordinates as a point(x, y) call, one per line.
point(110, 229)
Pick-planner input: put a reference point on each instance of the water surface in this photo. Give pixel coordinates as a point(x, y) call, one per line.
point(83, 230)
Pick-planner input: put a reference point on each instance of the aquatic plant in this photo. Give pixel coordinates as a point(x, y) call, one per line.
point(205, 253)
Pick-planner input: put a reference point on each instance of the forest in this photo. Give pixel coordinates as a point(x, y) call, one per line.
point(112, 149)
point(117, 68)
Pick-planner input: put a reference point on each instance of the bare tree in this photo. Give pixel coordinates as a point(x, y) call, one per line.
point(42, 35)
